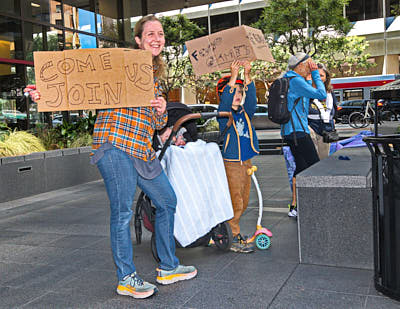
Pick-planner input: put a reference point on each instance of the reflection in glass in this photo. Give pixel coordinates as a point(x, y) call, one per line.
point(87, 41)
point(10, 7)
point(78, 18)
point(108, 27)
point(44, 10)
point(34, 39)
point(10, 38)
point(107, 44)
point(74, 40)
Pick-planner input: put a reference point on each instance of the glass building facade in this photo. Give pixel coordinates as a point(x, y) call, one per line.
point(27, 26)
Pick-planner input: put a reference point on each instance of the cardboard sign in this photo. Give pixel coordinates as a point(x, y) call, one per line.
point(93, 79)
point(217, 51)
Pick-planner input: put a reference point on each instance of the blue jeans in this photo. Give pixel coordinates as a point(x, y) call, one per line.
point(121, 178)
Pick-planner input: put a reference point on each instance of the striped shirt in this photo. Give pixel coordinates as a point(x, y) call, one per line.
point(130, 129)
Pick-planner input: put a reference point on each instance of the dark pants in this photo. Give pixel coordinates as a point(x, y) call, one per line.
point(304, 152)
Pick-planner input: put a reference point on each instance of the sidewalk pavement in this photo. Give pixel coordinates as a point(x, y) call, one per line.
point(55, 253)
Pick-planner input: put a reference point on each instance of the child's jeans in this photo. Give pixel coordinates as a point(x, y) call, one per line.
point(239, 187)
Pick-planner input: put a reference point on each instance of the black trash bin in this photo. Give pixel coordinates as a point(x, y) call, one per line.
point(385, 151)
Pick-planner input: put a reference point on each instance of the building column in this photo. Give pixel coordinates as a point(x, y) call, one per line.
point(391, 65)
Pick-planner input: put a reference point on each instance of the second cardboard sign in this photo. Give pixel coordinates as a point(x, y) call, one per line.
point(216, 52)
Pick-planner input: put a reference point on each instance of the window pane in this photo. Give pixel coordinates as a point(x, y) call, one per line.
point(108, 27)
point(109, 23)
point(225, 21)
point(55, 39)
point(74, 40)
point(10, 7)
point(107, 44)
point(12, 100)
point(10, 39)
point(44, 10)
point(87, 41)
point(33, 39)
point(79, 18)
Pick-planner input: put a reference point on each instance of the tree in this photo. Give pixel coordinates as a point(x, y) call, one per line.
point(395, 9)
point(316, 27)
point(201, 85)
point(289, 20)
point(177, 31)
point(344, 55)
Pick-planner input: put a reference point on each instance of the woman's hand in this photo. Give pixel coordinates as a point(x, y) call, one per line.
point(32, 92)
point(159, 104)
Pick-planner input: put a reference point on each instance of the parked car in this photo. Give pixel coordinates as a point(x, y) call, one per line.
point(260, 120)
point(203, 108)
point(74, 117)
point(12, 114)
point(393, 104)
point(345, 108)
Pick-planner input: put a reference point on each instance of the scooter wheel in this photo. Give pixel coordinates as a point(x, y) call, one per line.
point(263, 242)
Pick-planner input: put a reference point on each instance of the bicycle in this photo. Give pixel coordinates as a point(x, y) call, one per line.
point(367, 116)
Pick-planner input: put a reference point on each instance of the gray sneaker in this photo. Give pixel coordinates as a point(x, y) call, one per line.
point(134, 286)
point(175, 275)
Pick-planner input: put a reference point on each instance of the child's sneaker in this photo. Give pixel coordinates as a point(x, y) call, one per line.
point(239, 245)
point(175, 275)
point(133, 285)
point(292, 211)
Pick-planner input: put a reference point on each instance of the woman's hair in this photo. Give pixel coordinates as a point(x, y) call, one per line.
point(327, 82)
point(158, 62)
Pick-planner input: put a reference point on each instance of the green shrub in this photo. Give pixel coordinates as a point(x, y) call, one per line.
point(84, 139)
point(18, 143)
point(209, 126)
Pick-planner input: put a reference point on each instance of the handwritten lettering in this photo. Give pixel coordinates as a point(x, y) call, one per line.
point(76, 95)
point(106, 61)
point(46, 66)
point(88, 63)
point(112, 97)
point(66, 66)
point(93, 93)
point(142, 79)
point(59, 98)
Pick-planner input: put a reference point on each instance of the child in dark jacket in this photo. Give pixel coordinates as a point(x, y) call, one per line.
point(240, 143)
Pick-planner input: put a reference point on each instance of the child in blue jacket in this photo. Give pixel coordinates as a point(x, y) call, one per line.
point(240, 143)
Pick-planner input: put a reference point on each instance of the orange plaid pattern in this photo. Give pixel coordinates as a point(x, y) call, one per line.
point(130, 129)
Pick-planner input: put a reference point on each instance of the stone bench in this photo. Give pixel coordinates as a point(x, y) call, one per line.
point(335, 211)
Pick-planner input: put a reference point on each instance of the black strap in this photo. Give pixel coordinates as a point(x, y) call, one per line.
point(291, 120)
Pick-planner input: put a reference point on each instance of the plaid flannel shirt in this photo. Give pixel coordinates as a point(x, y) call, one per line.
point(130, 129)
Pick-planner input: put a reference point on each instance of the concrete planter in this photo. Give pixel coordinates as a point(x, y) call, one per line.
point(40, 172)
point(335, 211)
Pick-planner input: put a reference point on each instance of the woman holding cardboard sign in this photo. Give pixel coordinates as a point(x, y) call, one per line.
point(122, 143)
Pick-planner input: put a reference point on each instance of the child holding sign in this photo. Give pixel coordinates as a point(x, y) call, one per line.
point(240, 143)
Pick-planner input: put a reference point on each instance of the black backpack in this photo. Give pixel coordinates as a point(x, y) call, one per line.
point(277, 101)
point(278, 111)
